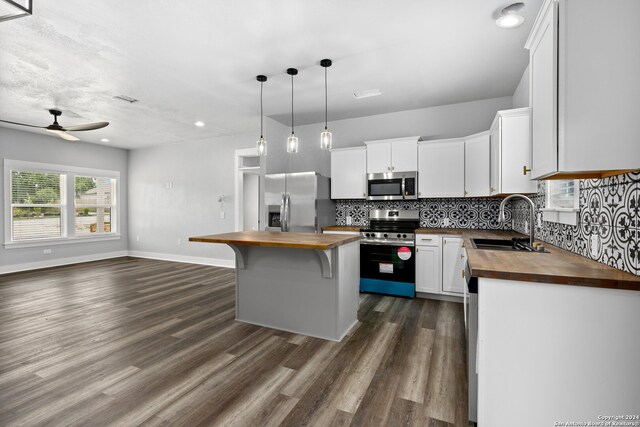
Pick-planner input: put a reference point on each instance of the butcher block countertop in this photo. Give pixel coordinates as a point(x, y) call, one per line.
point(279, 239)
point(343, 228)
point(557, 266)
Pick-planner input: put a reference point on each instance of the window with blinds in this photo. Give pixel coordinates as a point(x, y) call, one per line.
point(94, 197)
point(37, 205)
point(562, 194)
point(47, 203)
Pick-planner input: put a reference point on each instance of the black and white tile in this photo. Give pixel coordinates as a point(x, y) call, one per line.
point(609, 221)
point(477, 213)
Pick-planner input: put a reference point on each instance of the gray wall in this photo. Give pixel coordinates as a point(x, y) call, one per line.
point(521, 95)
point(201, 172)
point(447, 121)
point(28, 146)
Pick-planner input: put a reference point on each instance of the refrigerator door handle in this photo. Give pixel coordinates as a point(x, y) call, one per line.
point(287, 211)
point(282, 213)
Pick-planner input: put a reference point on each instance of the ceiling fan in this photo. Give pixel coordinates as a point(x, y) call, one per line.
point(62, 131)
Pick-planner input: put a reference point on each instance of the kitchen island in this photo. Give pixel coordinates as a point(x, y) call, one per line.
point(305, 283)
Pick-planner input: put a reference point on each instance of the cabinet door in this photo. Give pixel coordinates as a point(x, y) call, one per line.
point(496, 163)
point(477, 164)
point(348, 173)
point(543, 95)
point(441, 169)
point(404, 156)
point(379, 157)
point(453, 265)
point(514, 149)
point(428, 269)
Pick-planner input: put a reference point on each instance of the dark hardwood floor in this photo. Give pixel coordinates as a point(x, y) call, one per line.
point(131, 341)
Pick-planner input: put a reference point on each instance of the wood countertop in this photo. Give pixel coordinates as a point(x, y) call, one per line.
point(343, 228)
point(557, 266)
point(279, 239)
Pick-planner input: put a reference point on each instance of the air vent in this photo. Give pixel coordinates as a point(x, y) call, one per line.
point(126, 98)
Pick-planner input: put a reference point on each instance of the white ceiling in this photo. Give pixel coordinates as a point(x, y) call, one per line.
point(197, 60)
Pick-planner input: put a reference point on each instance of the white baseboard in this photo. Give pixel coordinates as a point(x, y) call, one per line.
point(14, 268)
point(216, 262)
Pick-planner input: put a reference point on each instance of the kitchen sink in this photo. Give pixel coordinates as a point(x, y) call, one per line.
point(515, 244)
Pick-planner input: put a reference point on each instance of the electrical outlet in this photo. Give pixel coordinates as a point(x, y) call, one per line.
point(446, 222)
point(221, 214)
point(539, 216)
point(526, 227)
point(349, 220)
point(595, 243)
point(47, 251)
point(179, 241)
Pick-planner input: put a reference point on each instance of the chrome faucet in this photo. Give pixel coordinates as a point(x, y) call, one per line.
point(532, 214)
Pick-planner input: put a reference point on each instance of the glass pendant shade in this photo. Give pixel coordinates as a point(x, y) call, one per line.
point(292, 144)
point(326, 140)
point(261, 146)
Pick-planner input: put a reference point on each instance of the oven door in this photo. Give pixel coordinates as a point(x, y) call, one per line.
point(388, 269)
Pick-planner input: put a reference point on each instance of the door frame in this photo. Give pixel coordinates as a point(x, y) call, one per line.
point(239, 171)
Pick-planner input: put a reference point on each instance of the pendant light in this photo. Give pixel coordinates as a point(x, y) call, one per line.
point(261, 145)
point(325, 137)
point(292, 141)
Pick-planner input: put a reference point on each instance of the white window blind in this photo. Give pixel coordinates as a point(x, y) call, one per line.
point(94, 204)
point(37, 205)
point(562, 194)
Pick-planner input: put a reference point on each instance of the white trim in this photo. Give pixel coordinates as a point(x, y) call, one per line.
point(216, 262)
point(14, 268)
point(50, 167)
point(239, 172)
point(19, 244)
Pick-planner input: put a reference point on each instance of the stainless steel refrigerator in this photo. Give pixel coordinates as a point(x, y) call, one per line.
point(298, 202)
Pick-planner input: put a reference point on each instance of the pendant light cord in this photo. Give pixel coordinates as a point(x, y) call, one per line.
point(325, 99)
point(292, 132)
point(261, 115)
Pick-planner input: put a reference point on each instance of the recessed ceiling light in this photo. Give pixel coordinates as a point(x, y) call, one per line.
point(104, 140)
point(509, 17)
point(199, 123)
point(367, 93)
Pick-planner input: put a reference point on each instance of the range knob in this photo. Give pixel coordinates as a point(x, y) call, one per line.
point(398, 236)
point(386, 235)
point(404, 235)
point(367, 234)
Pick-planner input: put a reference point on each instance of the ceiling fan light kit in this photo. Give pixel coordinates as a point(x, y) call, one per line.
point(17, 10)
point(261, 145)
point(61, 131)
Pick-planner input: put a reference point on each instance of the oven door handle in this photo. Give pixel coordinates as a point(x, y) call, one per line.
point(409, 244)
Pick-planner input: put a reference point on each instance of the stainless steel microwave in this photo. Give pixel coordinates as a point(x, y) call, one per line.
point(392, 186)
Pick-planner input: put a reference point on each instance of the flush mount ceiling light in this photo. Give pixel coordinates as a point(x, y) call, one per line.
point(367, 93)
point(292, 141)
point(325, 137)
point(509, 17)
point(10, 9)
point(261, 145)
point(199, 124)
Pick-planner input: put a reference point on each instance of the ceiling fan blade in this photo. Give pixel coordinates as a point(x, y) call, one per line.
point(88, 126)
point(62, 134)
point(23, 124)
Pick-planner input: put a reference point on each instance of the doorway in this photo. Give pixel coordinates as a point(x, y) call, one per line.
point(249, 176)
point(250, 202)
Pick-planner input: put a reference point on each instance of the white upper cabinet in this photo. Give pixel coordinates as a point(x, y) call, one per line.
point(441, 168)
point(510, 142)
point(477, 175)
point(349, 173)
point(584, 88)
point(392, 155)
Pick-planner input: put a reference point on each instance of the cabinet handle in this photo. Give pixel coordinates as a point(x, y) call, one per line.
point(493, 190)
point(419, 193)
point(525, 170)
point(461, 256)
point(466, 192)
point(388, 168)
point(364, 194)
point(462, 271)
point(425, 239)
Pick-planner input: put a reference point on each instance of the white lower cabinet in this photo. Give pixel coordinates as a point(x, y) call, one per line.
point(440, 264)
point(453, 261)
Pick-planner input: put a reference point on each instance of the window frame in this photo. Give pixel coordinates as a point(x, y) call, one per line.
point(67, 210)
point(560, 215)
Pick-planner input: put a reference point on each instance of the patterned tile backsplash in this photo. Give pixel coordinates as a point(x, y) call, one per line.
point(608, 229)
point(476, 213)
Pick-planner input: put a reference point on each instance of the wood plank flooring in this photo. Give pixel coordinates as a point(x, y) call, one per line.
point(130, 341)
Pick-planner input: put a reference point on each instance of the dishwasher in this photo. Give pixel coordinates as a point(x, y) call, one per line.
point(471, 324)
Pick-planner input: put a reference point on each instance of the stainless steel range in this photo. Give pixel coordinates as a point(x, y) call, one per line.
point(387, 252)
